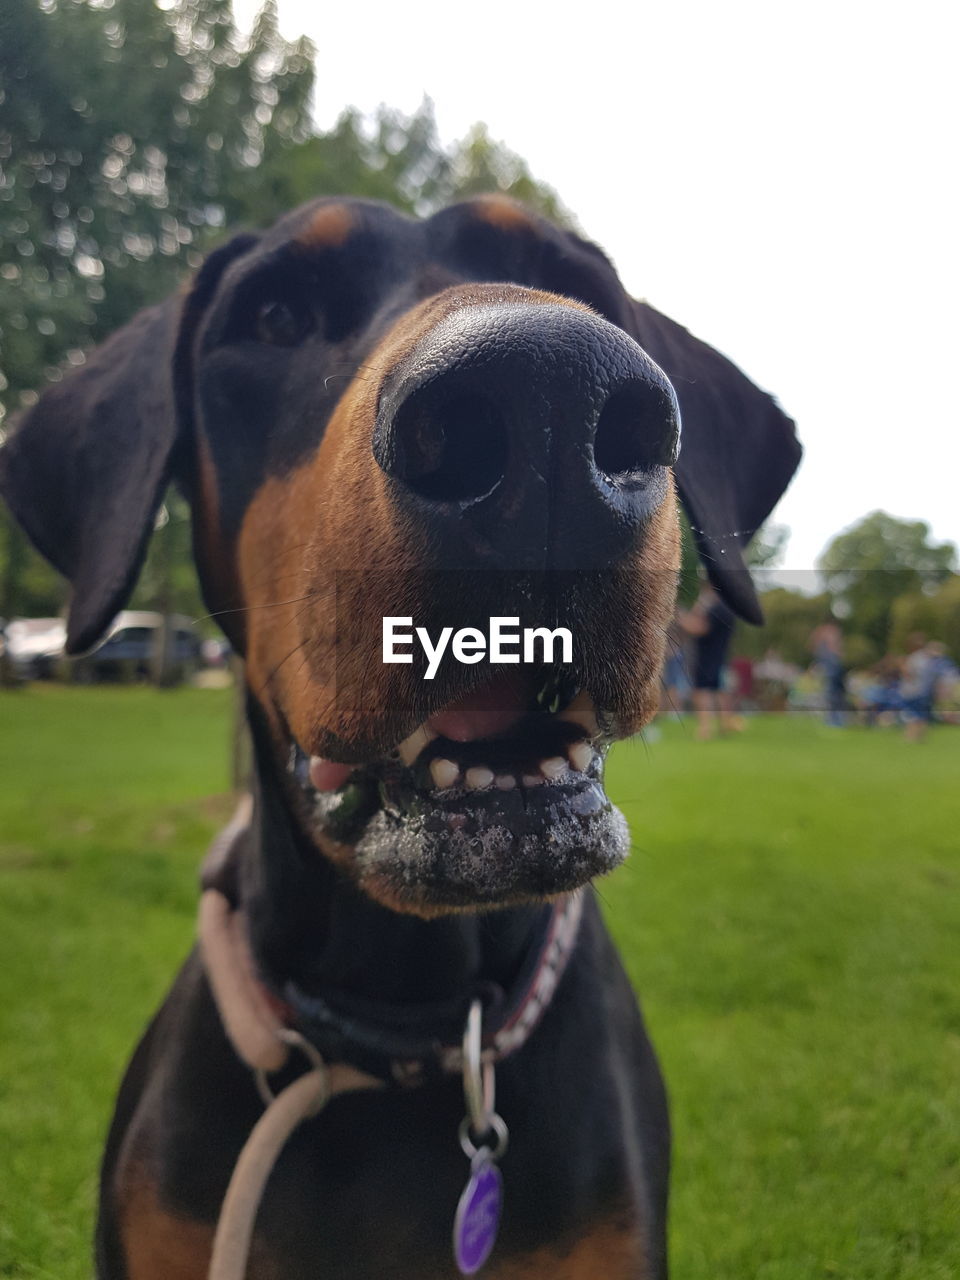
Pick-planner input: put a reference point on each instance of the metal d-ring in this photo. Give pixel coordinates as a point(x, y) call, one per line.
point(494, 1124)
point(296, 1041)
point(479, 1089)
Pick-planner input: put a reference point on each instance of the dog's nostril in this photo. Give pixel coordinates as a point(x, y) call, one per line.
point(449, 447)
point(637, 429)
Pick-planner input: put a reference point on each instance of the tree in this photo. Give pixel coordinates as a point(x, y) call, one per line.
point(869, 565)
point(936, 614)
point(396, 158)
point(392, 157)
point(479, 164)
point(789, 618)
point(767, 546)
point(128, 135)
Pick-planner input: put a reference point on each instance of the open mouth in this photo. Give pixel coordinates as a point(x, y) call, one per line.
point(498, 798)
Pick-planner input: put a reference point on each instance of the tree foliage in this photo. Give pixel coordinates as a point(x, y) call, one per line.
point(128, 132)
point(767, 547)
point(884, 579)
point(935, 614)
point(880, 558)
point(396, 158)
point(789, 618)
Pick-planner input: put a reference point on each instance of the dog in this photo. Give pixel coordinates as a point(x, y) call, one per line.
point(437, 421)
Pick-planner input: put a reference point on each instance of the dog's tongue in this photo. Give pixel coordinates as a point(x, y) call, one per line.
point(492, 709)
point(327, 775)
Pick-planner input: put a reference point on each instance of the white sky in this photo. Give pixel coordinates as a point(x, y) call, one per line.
point(782, 181)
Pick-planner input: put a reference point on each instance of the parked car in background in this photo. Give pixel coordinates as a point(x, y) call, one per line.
point(34, 647)
point(129, 649)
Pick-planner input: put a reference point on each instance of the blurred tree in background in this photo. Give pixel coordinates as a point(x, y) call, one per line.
point(882, 579)
point(936, 614)
point(128, 133)
point(396, 158)
point(789, 618)
point(869, 566)
point(767, 547)
point(132, 133)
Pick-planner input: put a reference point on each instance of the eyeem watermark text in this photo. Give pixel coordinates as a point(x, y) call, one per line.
point(504, 643)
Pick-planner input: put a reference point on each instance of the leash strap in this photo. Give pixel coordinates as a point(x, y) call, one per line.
point(231, 1246)
point(248, 1018)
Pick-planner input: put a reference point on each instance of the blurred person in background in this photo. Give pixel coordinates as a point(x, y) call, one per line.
point(826, 645)
point(922, 668)
point(675, 680)
point(711, 625)
point(880, 693)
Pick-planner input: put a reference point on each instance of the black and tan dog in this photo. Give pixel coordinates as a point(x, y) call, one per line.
point(446, 420)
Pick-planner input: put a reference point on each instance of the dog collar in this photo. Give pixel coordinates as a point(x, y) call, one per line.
point(362, 1037)
point(365, 1033)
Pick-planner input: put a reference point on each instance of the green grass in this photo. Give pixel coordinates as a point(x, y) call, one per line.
point(789, 915)
point(790, 918)
point(104, 813)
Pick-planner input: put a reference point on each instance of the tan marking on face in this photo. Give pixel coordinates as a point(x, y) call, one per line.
point(328, 539)
point(611, 1251)
point(329, 228)
point(502, 212)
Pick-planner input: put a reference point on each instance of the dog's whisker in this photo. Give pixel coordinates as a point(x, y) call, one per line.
point(270, 604)
point(274, 672)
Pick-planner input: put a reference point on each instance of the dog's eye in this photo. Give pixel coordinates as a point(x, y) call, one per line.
point(281, 324)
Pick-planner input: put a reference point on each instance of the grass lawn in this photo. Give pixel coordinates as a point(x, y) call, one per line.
point(789, 915)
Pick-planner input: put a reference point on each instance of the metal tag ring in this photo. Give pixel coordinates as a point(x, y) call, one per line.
point(496, 1125)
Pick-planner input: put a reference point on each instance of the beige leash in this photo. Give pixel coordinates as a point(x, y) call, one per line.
point(264, 1043)
point(231, 1246)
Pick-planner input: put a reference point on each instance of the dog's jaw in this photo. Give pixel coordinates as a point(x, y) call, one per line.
point(441, 825)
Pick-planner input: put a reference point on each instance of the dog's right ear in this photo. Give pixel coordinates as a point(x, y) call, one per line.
point(85, 470)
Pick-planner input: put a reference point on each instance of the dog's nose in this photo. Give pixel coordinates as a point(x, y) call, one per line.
point(529, 436)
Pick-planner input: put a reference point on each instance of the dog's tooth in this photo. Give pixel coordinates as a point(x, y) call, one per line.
point(444, 773)
point(554, 767)
point(532, 780)
point(505, 781)
point(411, 747)
point(582, 711)
point(581, 756)
point(478, 777)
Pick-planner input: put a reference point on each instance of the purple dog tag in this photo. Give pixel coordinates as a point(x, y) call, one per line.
point(478, 1214)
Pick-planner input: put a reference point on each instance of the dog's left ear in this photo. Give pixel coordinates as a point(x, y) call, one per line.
point(738, 451)
point(85, 470)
